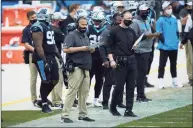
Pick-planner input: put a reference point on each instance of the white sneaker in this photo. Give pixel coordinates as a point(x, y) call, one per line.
point(96, 103)
point(176, 84)
point(161, 83)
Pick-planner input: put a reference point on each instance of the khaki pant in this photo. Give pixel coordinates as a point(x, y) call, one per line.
point(33, 78)
point(79, 81)
point(57, 91)
point(189, 59)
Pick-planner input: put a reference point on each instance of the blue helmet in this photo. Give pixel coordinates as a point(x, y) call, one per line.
point(70, 27)
point(43, 14)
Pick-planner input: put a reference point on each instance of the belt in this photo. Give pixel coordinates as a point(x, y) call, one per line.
point(124, 57)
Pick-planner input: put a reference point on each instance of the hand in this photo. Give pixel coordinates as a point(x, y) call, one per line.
point(181, 46)
point(92, 50)
point(106, 64)
point(113, 64)
point(156, 34)
point(85, 48)
point(47, 67)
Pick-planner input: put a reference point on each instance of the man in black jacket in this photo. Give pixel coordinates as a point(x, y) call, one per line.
point(109, 73)
point(120, 42)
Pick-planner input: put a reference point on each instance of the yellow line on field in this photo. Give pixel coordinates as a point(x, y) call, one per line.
point(15, 102)
point(28, 99)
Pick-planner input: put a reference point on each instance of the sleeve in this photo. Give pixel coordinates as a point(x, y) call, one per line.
point(135, 27)
point(103, 48)
point(69, 41)
point(159, 28)
point(110, 44)
point(25, 36)
point(36, 28)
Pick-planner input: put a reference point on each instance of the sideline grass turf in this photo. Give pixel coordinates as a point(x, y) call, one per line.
point(17, 117)
point(180, 117)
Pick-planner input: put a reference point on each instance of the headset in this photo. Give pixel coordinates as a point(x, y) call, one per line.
point(77, 21)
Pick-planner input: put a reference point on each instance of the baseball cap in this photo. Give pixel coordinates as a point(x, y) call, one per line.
point(189, 3)
point(143, 7)
point(165, 4)
point(58, 15)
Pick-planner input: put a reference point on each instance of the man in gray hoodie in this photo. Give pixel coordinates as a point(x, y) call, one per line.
point(141, 26)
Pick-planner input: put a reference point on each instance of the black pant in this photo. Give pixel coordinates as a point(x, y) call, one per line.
point(124, 74)
point(109, 81)
point(162, 62)
point(98, 71)
point(142, 69)
point(48, 80)
point(150, 60)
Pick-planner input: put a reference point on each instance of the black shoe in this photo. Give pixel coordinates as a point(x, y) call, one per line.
point(86, 119)
point(74, 105)
point(65, 120)
point(129, 113)
point(38, 103)
point(46, 108)
point(114, 112)
point(190, 82)
point(105, 106)
point(50, 103)
point(144, 99)
point(121, 106)
point(88, 104)
point(75, 101)
point(59, 106)
point(148, 85)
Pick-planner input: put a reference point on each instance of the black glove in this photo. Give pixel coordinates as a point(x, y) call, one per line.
point(47, 68)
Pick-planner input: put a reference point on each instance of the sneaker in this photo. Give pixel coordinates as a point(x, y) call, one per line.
point(50, 103)
point(147, 84)
point(176, 84)
point(60, 106)
point(96, 103)
point(37, 103)
point(86, 119)
point(46, 108)
point(161, 83)
point(129, 113)
point(65, 120)
point(143, 99)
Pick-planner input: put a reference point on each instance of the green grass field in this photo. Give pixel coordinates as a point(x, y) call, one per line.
point(17, 117)
point(180, 117)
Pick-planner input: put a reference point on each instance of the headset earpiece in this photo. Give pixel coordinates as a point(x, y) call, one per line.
point(77, 21)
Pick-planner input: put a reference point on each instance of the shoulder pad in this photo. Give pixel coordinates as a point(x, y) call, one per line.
point(36, 27)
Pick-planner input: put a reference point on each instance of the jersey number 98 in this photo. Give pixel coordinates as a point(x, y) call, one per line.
point(50, 37)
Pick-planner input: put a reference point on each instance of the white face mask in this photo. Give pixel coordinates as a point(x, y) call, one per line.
point(169, 11)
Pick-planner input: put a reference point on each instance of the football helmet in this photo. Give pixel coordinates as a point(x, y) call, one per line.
point(43, 14)
point(98, 19)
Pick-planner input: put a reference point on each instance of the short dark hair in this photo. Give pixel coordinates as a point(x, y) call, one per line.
point(115, 15)
point(73, 6)
point(30, 13)
point(124, 12)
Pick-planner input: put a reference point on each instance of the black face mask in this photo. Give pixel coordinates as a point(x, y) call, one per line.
point(82, 30)
point(33, 21)
point(127, 22)
point(189, 11)
point(144, 15)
